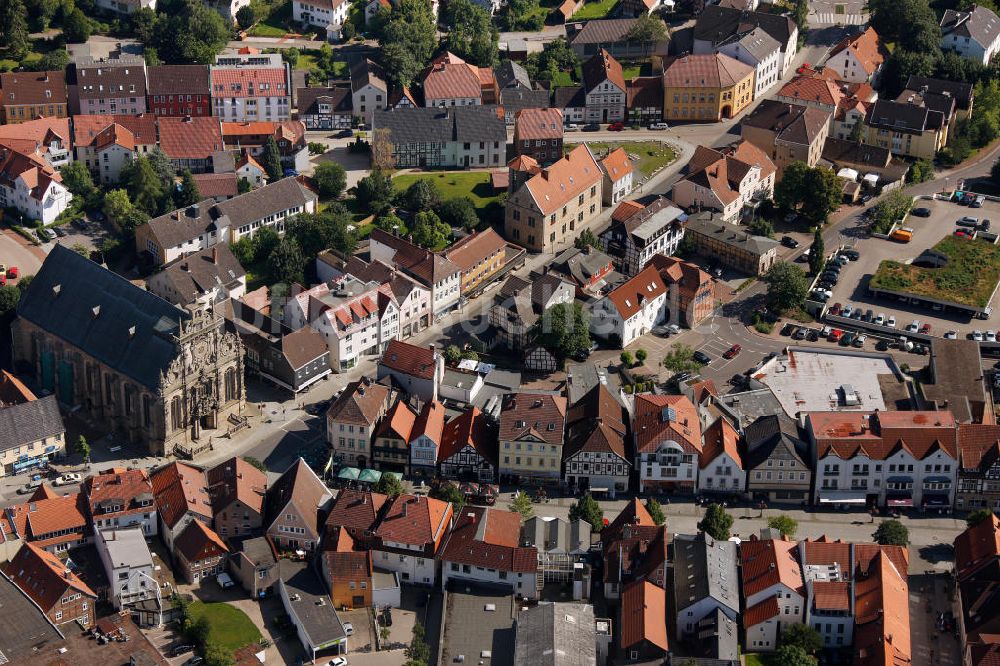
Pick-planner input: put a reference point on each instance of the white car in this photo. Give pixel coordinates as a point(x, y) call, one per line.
point(349, 630)
point(337, 661)
point(913, 326)
point(951, 335)
point(991, 336)
point(977, 336)
point(659, 126)
point(891, 322)
point(570, 127)
point(880, 319)
point(224, 580)
point(67, 479)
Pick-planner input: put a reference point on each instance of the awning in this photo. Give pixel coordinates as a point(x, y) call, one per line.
point(937, 479)
point(369, 475)
point(900, 502)
point(900, 479)
point(349, 473)
point(936, 500)
point(843, 498)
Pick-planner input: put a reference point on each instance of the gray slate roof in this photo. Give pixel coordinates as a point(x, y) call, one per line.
point(319, 621)
point(511, 75)
point(962, 92)
point(570, 97)
point(716, 24)
point(67, 291)
point(556, 535)
point(729, 234)
point(30, 422)
point(705, 568)
point(515, 99)
point(980, 24)
point(441, 125)
point(556, 634)
point(757, 43)
point(197, 273)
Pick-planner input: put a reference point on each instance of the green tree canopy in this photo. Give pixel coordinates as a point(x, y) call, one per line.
point(586, 508)
point(556, 56)
point(286, 263)
point(9, 297)
point(449, 492)
point(472, 35)
point(817, 252)
point(270, 159)
point(978, 516)
point(814, 191)
point(648, 28)
point(716, 523)
point(188, 32)
point(787, 525)
point(655, 511)
point(786, 285)
point(452, 354)
point(791, 655)
point(143, 185)
point(430, 232)
point(187, 194)
point(422, 194)
point(389, 484)
point(375, 187)
point(77, 179)
point(14, 32)
point(245, 16)
point(76, 27)
point(680, 358)
point(564, 330)
point(585, 239)
point(802, 636)
point(331, 179)
point(522, 504)
point(459, 212)
point(408, 36)
point(892, 533)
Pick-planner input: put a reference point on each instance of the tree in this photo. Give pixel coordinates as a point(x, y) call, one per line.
point(802, 636)
point(459, 213)
point(587, 508)
point(286, 263)
point(118, 206)
point(410, 29)
point(892, 533)
point(522, 504)
point(648, 28)
point(189, 32)
point(556, 56)
point(817, 252)
point(418, 651)
point(375, 187)
point(77, 179)
point(564, 330)
point(977, 517)
point(470, 355)
point(255, 462)
point(626, 359)
point(761, 226)
point(245, 17)
point(680, 358)
point(164, 168)
point(331, 179)
point(76, 27)
point(523, 15)
point(422, 195)
point(716, 522)
point(145, 189)
point(641, 355)
point(430, 232)
point(389, 484)
point(655, 511)
point(452, 354)
point(472, 35)
point(392, 224)
point(10, 295)
point(585, 239)
point(921, 171)
point(187, 194)
point(216, 655)
point(270, 159)
point(243, 186)
point(786, 285)
point(787, 525)
point(449, 492)
point(14, 28)
point(889, 210)
point(814, 191)
point(791, 655)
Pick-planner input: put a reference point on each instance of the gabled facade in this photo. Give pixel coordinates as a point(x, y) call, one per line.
point(787, 132)
point(121, 498)
point(409, 536)
point(450, 81)
point(594, 457)
point(720, 23)
point(30, 184)
point(390, 450)
point(325, 108)
point(484, 546)
point(328, 15)
point(425, 439)
point(909, 127)
point(774, 591)
point(531, 436)
point(433, 270)
point(617, 168)
point(759, 50)
point(237, 489)
point(352, 419)
point(634, 548)
point(416, 371)
point(979, 468)
point(538, 133)
point(519, 304)
point(720, 463)
point(199, 553)
point(293, 504)
point(706, 88)
point(637, 233)
point(859, 58)
point(54, 588)
point(973, 34)
point(711, 581)
point(248, 87)
point(181, 493)
point(369, 91)
point(604, 87)
point(730, 181)
point(776, 463)
point(690, 290)
point(469, 448)
point(667, 436)
point(631, 310)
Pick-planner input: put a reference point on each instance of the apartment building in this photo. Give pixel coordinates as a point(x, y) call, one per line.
point(108, 86)
point(668, 444)
point(247, 87)
point(604, 89)
point(532, 427)
point(706, 88)
point(787, 133)
point(179, 90)
point(630, 310)
point(352, 419)
point(732, 181)
point(32, 95)
point(639, 232)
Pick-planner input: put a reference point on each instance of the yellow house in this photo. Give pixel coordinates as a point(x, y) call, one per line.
point(531, 436)
point(32, 95)
point(910, 129)
point(706, 87)
point(480, 255)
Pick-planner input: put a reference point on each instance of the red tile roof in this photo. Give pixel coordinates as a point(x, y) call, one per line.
point(533, 415)
point(118, 487)
point(824, 551)
point(398, 422)
point(761, 612)
point(831, 595)
point(538, 124)
point(22, 88)
point(178, 79)
point(720, 437)
point(212, 185)
point(58, 514)
point(882, 617)
point(812, 89)
point(198, 542)
point(180, 488)
point(298, 486)
point(644, 615)
point(866, 47)
point(653, 425)
point(344, 561)
point(470, 428)
point(625, 210)
point(194, 137)
point(978, 443)
point(409, 359)
point(355, 510)
point(44, 577)
point(866, 553)
point(617, 164)
point(450, 77)
point(37, 131)
point(361, 403)
point(489, 538)
point(767, 562)
point(632, 296)
point(705, 71)
point(415, 521)
point(633, 513)
point(475, 248)
point(87, 128)
point(596, 423)
point(430, 422)
point(563, 181)
point(879, 434)
point(249, 82)
point(236, 479)
point(600, 68)
point(977, 547)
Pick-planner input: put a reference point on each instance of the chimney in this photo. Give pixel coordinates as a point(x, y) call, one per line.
point(193, 210)
point(215, 256)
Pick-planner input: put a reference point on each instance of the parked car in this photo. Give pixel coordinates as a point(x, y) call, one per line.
point(971, 222)
point(660, 331)
point(659, 126)
point(951, 335)
point(348, 628)
point(880, 319)
point(571, 127)
point(592, 127)
point(921, 212)
point(337, 661)
point(920, 349)
point(59, 232)
point(869, 315)
point(913, 326)
point(963, 234)
point(978, 202)
point(991, 336)
point(882, 345)
point(847, 311)
point(195, 661)
point(178, 650)
point(891, 321)
point(344, 133)
point(788, 329)
point(860, 340)
point(290, 173)
point(985, 225)
point(848, 339)
point(67, 479)
point(702, 357)
point(28, 488)
point(799, 334)
point(925, 329)
point(224, 581)
point(826, 331)
point(977, 336)
point(733, 351)
point(836, 309)
point(788, 241)
point(835, 335)
point(79, 223)
point(616, 127)
point(851, 254)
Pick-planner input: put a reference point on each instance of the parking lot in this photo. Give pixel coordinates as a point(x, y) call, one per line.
point(853, 284)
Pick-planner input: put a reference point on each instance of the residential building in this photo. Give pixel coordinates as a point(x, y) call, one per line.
point(208, 223)
point(425, 439)
point(105, 144)
point(519, 304)
point(538, 133)
point(594, 456)
point(634, 548)
point(50, 137)
point(587, 269)
point(706, 88)
point(668, 443)
point(511, 75)
point(369, 91)
point(844, 153)
point(128, 566)
point(450, 81)
point(759, 50)
point(179, 90)
point(617, 168)
point(390, 450)
point(328, 15)
point(121, 498)
point(29, 184)
point(630, 310)
point(720, 463)
point(910, 127)
point(54, 523)
point(977, 570)
point(859, 58)
point(979, 468)
point(237, 489)
point(690, 290)
point(484, 547)
point(604, 87)
point(254, 86)
point(409, 536)
point(31, 429)
point(637, 233)
point(293, 505)
point(774, 591)
point(352, 419)
point(452, 137)
point(125, 6)
point(515, 100)
point(33, 95)
point(304, 598)
point(254, 564)
point(107, 86)
point(719, 240)
point(828, 569)
point(468, 448)
point(531, 436)
point(644, 100)
point(787, 132)
point(191, 142)
point(776, 461)
point(718, 24)
point(199, 553)
point(962, 93)
point(572, 101)
point(643, 619)
point(347, 570)
point(201, 279)
point(547, 207)
point(55, 589)
point(561, 545)
point(812, 90)
point(710, 583)
point(325, 108)
point(182, 495)
point(732, 181)
point(87, 322)
point(883, 458)
point(612, 35)
point(882, 601)
point(561, 628)
point(416, 371)
point(252, 137)
point(973, 34)
point(480, 256)
point(433, 270)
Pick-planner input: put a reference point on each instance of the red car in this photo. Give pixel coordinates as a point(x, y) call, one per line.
point(732, 351)
point(961, 234)
point(835, 309)
point(12, 272)
point(835, 335)
point(925, 329)
point(616, 127)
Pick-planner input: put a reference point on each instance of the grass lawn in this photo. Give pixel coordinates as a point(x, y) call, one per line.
point(39, 47)
point(595, 10)
point(631, 71)
point(275, 25)
point(970, 276)
point(453, 184)
point(753, 660)
point(231, 628)
point(652, 155)
point(563, 80)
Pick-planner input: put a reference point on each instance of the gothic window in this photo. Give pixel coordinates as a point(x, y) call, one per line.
point(147, 407)
point(232, 389)
point(129, 391)
point(176, 418)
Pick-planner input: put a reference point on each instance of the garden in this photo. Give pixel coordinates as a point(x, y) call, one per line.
point(455, 184)
point(652, 155)
point(228, 626)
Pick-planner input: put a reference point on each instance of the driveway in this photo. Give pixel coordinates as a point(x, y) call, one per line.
point(16, 251)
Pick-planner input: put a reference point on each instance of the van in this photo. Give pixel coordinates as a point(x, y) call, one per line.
point(902, 235)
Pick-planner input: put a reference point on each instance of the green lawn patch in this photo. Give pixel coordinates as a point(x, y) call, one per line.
point(452, 184)
point(231, 628)
point(631, 71)
point(969, 278)
point(595, 10)
point(652, 155)
point(275, 25)
point(563, 80)
point(753, 660)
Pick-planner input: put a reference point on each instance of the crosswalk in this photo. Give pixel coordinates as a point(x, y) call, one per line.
point(832, 18)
